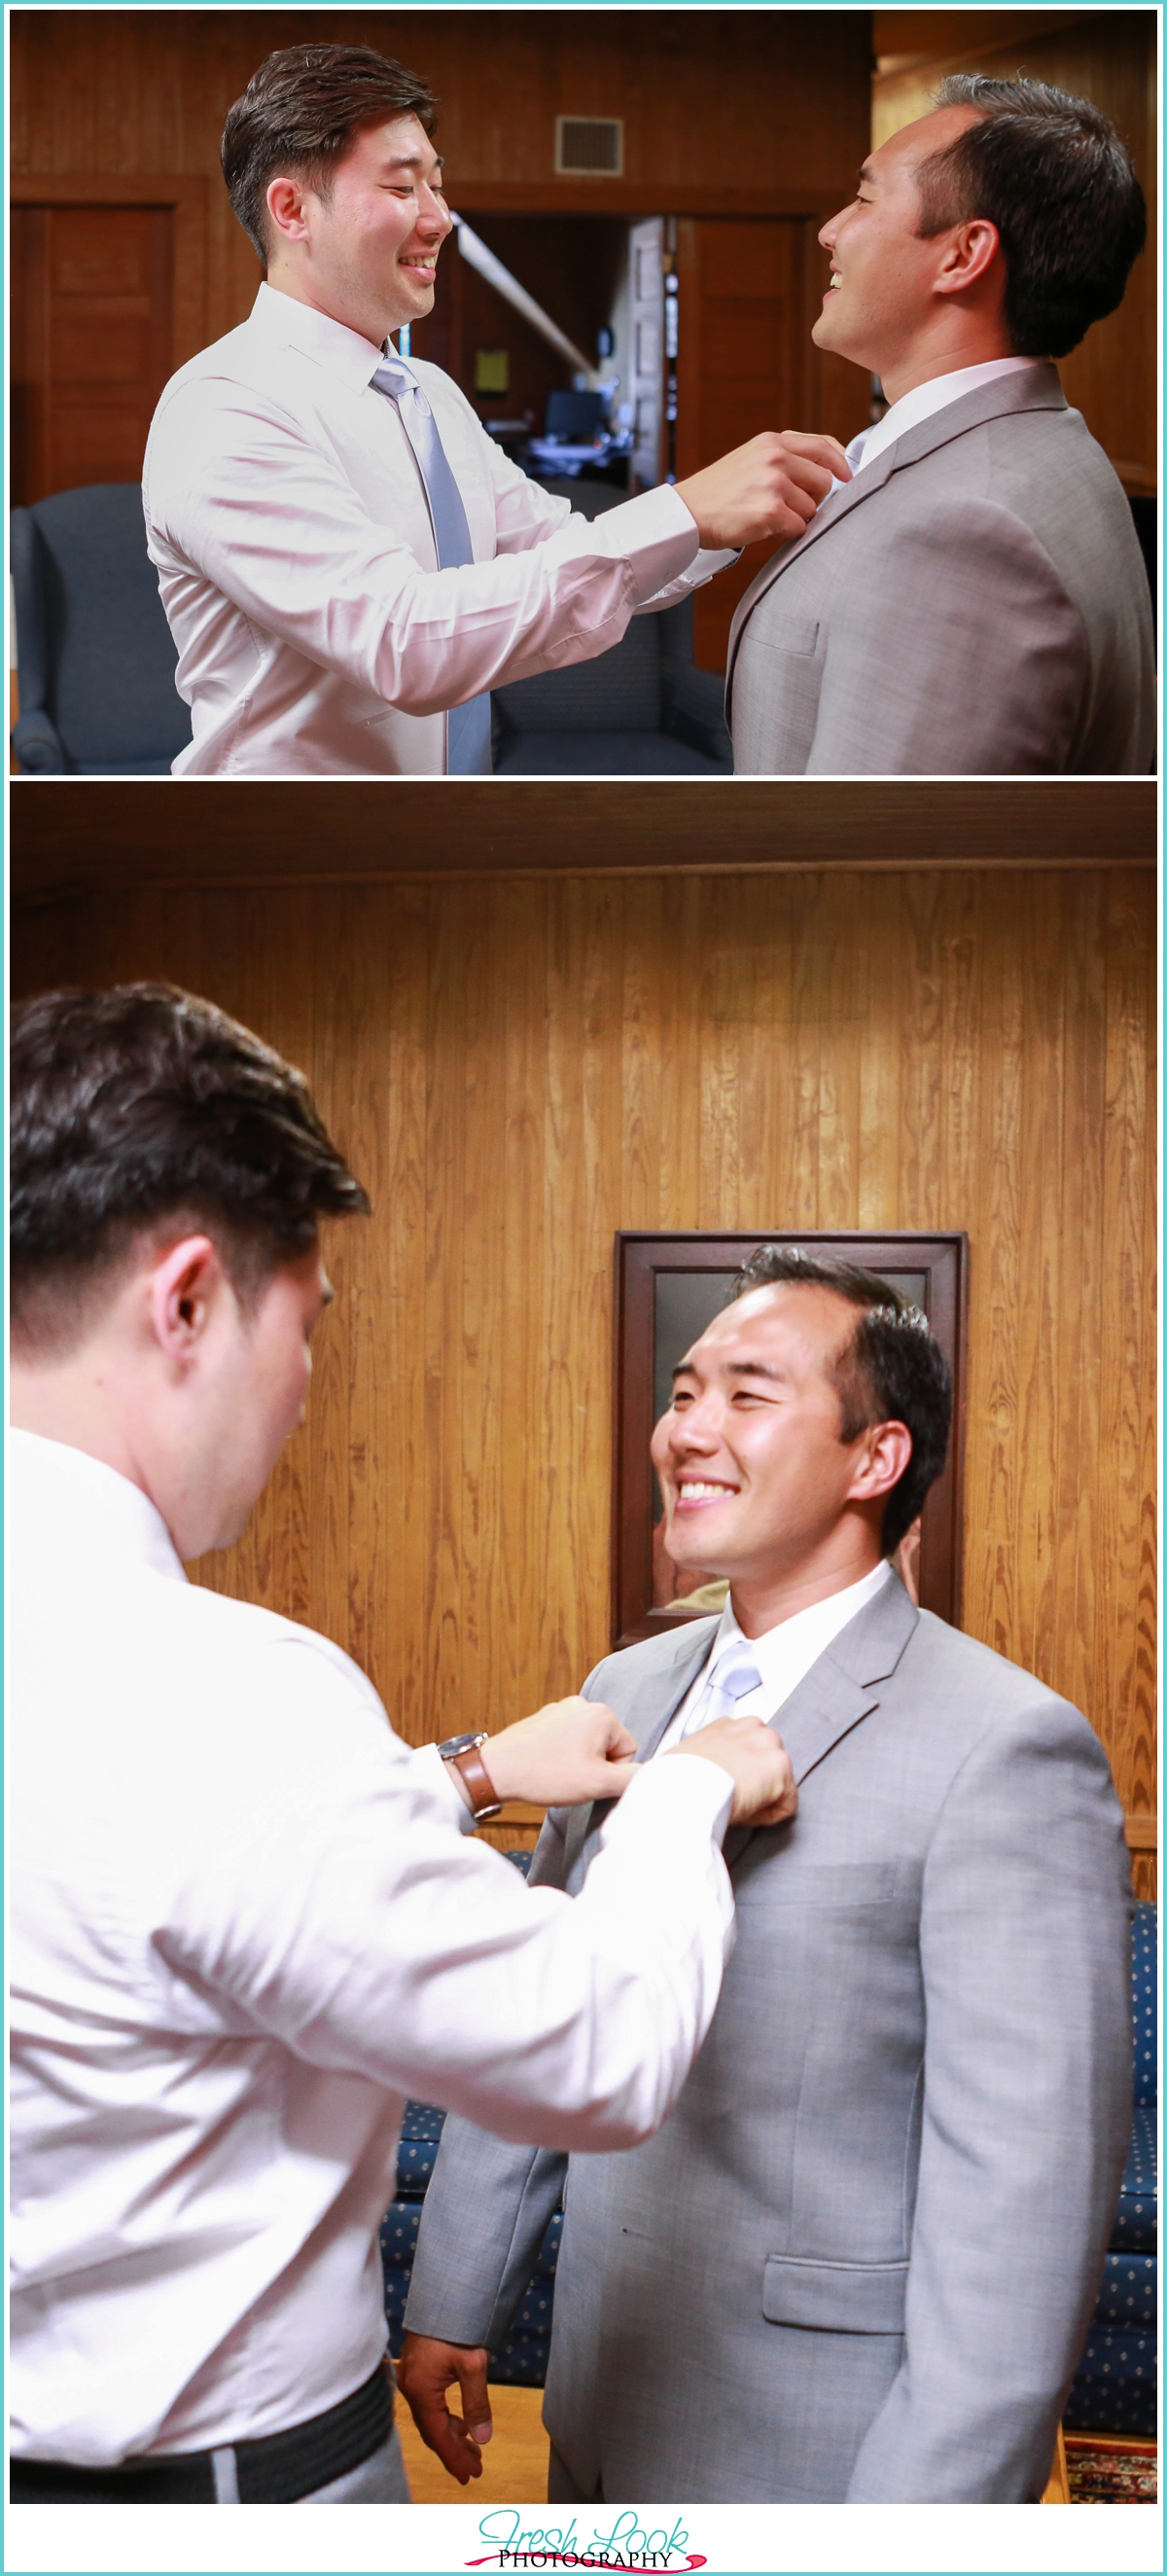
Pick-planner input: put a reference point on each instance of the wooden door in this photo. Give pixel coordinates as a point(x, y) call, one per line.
point(92, 340)
point(744, 366)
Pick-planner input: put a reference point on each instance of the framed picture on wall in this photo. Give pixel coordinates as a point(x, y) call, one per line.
point(668, 1289)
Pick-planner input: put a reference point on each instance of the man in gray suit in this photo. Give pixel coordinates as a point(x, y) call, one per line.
point(858, 2262)
point(973, 599)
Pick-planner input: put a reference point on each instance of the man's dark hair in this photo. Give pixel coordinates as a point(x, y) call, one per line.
point(144, 1106)
point(1050, 171)
point(891, 1369)
point(300, 112)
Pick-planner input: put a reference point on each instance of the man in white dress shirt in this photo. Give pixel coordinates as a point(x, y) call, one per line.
point(348, 563)
point(244, 1922)
point(858, 2261)
point(973, 599)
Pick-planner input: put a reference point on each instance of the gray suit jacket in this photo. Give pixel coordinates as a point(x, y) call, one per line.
point(974, 603)
point(859, 2259)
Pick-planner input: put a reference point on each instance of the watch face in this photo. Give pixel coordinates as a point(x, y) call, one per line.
point(455, 1744)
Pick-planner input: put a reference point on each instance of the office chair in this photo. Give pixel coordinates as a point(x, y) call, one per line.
point(94, 652)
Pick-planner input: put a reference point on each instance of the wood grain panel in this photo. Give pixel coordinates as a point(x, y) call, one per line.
point(746, 363)
point(520, 1067)
point(733, 111)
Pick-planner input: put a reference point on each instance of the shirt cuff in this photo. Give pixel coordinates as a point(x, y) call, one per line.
point(443, 1784)
point(655, 533)
point(690, 1793)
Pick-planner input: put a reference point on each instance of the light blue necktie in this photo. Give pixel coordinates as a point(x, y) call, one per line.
point(468, 727)
point(733, 1676)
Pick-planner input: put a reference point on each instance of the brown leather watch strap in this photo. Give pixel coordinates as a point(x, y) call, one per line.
point(484, 1798)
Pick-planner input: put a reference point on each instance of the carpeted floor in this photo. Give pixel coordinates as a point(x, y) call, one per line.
point(1108, 2469)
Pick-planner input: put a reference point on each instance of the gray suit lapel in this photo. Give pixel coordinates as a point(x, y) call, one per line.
point(1038, 390)
point(840, 1690)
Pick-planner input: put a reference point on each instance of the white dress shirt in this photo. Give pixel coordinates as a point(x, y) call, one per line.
point(244, 1925)
point(782, 1654)
point(919, 405)
point(288, 521)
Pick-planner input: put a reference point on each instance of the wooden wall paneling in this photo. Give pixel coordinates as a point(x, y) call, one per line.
point(1084, 1110)
point(520, 1067)
point(991, 1491)
point(1044, 1254)
point(1123, 1670)
point(29, 348)
point(536, 1234)
point(741, 369)
point(680, 923)
point(726, 111)
point(399, 1218)
point(447, 1428)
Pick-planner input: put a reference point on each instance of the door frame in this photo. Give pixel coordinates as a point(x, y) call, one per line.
point(186, 198)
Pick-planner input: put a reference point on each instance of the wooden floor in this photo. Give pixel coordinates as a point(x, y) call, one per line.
point(514, 2464)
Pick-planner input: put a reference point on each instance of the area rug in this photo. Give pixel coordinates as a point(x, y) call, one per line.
point(1106, 2469)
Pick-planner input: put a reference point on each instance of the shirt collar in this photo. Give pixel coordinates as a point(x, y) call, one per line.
point(292, 325)
point(805, 1635)
point(75, 1504)
point(922, 401)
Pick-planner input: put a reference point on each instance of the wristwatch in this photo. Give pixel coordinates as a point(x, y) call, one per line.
point(461, 1752)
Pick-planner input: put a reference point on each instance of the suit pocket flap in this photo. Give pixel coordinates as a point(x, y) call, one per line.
point(838, 2298)
point(795, 635)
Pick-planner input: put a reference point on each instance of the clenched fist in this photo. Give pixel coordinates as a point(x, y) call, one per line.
point(771, 487)
point(568, 1753)
point(758, 1763)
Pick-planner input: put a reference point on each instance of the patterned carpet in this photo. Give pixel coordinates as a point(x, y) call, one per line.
point(1105, 2469)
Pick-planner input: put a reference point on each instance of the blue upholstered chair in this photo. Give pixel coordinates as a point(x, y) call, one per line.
point(641, 710)
point(522, 2362)
point(95, 656)
point(1115, 2388)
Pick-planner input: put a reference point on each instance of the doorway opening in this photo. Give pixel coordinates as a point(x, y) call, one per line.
point(695, 334)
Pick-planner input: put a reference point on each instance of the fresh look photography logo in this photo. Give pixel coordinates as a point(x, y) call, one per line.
point(628, 2544)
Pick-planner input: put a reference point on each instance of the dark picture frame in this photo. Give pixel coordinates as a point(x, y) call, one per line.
point(667, 1286)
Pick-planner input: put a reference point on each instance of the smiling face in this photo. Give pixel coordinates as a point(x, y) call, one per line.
point(882, 292)
point(367, 252)
point(757, 1484)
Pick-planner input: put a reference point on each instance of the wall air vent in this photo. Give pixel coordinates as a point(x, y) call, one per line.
point(589, 147)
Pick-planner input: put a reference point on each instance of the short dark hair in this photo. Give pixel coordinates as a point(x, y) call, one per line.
point(891, 1370)
point(300, 112)
point(132, 1108)
point(1051, 172)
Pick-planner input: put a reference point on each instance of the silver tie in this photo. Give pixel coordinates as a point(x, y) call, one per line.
point(468, 727)
point(733, 1676)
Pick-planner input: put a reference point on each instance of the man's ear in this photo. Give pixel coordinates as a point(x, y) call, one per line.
point(286, 207)
point(186, 1287)
point(884, 1453)
point(969, 255)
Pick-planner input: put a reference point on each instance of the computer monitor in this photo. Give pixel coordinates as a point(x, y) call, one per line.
point(575, 418)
